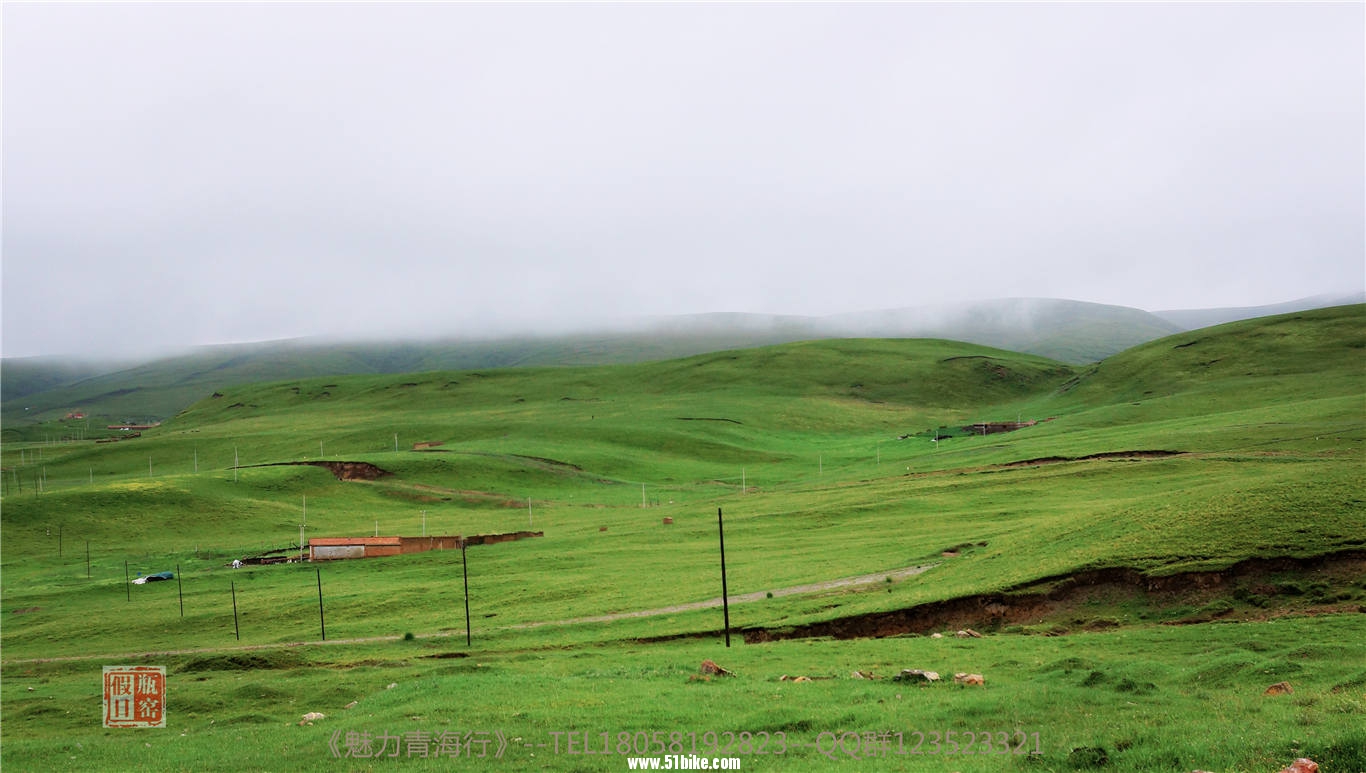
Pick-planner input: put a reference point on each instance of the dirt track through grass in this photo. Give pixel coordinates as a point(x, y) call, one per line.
point(816, 587)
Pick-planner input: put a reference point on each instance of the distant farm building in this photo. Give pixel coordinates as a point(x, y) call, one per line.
point(335, 548)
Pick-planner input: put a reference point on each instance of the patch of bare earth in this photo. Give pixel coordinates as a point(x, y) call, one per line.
point(1253, 582)
point(339, 470)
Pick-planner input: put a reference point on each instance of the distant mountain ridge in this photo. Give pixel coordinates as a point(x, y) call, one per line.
point(1190, 319)
point(45, 389)
point(1071, 331)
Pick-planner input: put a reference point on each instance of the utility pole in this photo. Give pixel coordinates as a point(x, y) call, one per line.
point(321, 622)
point(725, 600)
point(465, 567)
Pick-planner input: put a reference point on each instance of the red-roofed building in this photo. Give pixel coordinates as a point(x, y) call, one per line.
point(330, 548)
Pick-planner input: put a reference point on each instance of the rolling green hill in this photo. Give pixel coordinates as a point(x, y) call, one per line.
point(1180, 526)
point(818, 425)
point(44, 389)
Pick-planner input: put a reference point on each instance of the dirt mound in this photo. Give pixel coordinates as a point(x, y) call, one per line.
point(353, 470)
point(340, 470)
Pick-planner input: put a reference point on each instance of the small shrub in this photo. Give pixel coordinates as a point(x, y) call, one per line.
point(1355, 683)
point(1088, 757)
point(409, 636)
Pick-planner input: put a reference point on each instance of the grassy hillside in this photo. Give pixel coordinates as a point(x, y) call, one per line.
point(28, 376)
point(811, 431)
point(1256, 362)
point(42, 390)
point(824, 459)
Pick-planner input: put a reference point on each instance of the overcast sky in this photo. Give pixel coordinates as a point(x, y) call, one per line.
point(193, 174)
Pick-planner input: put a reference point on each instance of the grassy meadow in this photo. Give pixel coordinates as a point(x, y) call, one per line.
point(823, 458)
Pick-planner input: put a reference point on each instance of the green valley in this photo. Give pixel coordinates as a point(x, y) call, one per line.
point(1158, 538)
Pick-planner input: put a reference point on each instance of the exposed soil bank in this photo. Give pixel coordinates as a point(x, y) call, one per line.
point(1047, 598)
point(341, 470)
point(1089, 457)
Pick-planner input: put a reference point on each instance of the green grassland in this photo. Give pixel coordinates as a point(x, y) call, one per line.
point(36, 392)
point(820, 454)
